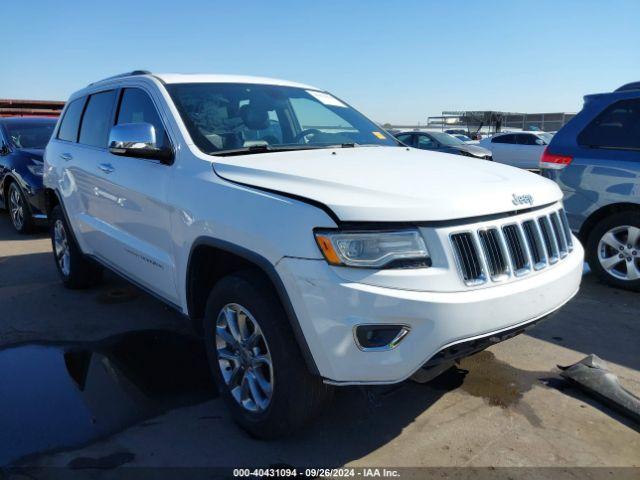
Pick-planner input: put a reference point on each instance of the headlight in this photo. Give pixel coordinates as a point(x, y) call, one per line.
point(402, 248)
point(36, 168)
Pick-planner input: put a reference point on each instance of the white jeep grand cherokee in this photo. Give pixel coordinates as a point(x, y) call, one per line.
point(313, 248)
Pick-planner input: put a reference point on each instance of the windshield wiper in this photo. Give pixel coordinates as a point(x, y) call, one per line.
point(276, 148)
point(258, 149)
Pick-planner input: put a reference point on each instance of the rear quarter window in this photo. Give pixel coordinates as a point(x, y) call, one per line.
point(617, 127)
point(71, 121)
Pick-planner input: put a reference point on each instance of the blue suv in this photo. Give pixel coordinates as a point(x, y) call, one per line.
point(595, 159)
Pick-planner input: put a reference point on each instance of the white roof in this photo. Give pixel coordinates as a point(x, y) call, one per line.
point(219, 78)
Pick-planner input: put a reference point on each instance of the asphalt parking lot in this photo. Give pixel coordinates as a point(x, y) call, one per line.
point(111, 377)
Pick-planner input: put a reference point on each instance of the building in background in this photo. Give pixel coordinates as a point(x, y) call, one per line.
point(489, 121)
point(30, 108)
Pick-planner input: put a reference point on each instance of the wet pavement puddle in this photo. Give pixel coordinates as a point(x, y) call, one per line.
point(58, 396)
point(496, 382)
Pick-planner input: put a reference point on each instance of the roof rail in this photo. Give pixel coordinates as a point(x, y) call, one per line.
point(126, 74)
point(629, 86)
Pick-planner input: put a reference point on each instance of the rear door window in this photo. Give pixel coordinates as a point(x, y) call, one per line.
point(504, 139)
point(617, 127)
point(425, 142)
point(97, 119)
point(137, 107)
point(526, 139)
point(71, 121)
point(407, 139)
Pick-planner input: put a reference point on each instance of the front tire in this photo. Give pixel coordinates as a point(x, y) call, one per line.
point(76, 271)
point(255, 358)
point(19, 211)
point(613, 250)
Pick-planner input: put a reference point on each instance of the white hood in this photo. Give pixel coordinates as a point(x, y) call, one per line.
point(392, 184)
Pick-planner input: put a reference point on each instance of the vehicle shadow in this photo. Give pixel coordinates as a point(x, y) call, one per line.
point(37, 308)
point(7, 232)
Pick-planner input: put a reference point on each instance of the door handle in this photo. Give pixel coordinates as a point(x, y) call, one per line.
point(66, 156)
point(106, 167)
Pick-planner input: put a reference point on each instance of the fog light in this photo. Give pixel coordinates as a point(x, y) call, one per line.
point(379, 337)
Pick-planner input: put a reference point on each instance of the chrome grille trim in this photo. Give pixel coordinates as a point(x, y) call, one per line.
point(492, 245)
point(520, 264)
point(550, 241)
point(535, 243)
point(558, 231)
point(567, 229)
point(515, 249)
point(471, 268)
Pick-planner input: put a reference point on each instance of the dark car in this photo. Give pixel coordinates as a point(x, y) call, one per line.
point(595, 159)
point(442, 142)
point(22, 143)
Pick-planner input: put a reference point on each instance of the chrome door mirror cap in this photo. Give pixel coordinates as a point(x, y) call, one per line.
point(137, 140)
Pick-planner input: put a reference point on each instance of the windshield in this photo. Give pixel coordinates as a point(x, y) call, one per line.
point(223, 117)
point(29, 134)
point(446, 139)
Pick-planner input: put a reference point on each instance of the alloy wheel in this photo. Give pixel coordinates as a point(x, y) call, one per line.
point(619, 252)
point(244, 358)
point(16, 207)
point(61, 248)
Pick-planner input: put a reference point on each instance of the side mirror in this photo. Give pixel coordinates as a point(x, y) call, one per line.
point(4, 149)
point(539, 141)
point(137, 140)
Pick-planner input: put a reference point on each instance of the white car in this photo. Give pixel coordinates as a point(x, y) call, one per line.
point(520, 149)
point(310, 246)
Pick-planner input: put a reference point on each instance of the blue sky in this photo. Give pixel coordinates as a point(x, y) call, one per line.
point(395, 61)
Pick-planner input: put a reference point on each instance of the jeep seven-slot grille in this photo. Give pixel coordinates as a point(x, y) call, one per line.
point(514, 249)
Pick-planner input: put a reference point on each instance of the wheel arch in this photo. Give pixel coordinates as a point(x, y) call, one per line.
point(7, 180)
point(210, 259)
point(51, 199)
point(601, 213)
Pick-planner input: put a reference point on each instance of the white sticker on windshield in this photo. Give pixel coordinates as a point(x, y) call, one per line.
point(326, 98)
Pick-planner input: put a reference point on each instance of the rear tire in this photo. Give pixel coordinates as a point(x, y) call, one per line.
point(286, 396)
point(19, 210)
point(76, 270)
point(613, 250)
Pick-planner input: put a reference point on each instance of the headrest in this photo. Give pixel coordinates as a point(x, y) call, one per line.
point(254, 117)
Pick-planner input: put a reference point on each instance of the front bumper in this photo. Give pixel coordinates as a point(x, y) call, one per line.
point(328, 307)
